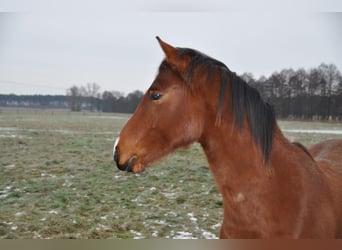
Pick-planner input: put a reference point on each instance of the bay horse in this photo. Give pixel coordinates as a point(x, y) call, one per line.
point(271, 188)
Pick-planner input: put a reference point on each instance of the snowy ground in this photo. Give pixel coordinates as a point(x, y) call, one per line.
point(314, 131)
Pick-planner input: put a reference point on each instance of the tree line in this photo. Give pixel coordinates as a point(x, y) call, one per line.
point(88, 97)
point(34, 101)
point(313, 94)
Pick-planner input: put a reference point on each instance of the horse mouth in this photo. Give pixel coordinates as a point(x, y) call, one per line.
point(132, 165)
point(128, 166)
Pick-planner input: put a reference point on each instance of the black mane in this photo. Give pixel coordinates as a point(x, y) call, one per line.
point(261, 116)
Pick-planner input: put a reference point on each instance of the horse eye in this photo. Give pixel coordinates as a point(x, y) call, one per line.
point(155, 96)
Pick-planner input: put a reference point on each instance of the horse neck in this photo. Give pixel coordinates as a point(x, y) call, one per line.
point(237, 163)
point(230, 153)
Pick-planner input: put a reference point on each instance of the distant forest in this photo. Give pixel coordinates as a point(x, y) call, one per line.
point(314, 94)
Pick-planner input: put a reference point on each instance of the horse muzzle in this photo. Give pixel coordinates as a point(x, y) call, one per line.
point(128, 166)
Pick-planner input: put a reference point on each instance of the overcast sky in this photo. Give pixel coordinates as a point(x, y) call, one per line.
point(46, 48)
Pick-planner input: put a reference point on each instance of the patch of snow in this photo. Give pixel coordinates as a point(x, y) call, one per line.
point(216, 226)
point(102, 227)
point(67, 184)
point(108, 117)
point(209, 235)
point(169, 195)
point(53, 212)
point(183, 235)
point(314, 131)
point(11, 166)
point(4, 193)
point(8, 136)
point(58, 131)
point(36, 235)
point(192, 217)
point(171, 213)
point(18, 214)
point(7, 129)
point(161, 222)
point(137, 235)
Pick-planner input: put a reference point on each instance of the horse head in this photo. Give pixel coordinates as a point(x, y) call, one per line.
point(169, 116)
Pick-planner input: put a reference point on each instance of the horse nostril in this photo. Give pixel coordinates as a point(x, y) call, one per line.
point(130, 163)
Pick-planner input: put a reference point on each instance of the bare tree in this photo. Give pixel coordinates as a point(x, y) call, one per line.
point(75, 98)
point(331, 77)
point(91, 92)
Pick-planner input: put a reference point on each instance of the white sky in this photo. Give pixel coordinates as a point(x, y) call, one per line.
point(46, 48)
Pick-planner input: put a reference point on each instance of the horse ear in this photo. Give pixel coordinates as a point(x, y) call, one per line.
point(171, 52)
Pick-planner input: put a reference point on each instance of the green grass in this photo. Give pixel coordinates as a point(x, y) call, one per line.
point(58, 180)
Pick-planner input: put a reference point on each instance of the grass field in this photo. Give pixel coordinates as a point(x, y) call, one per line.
point(58, 180)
